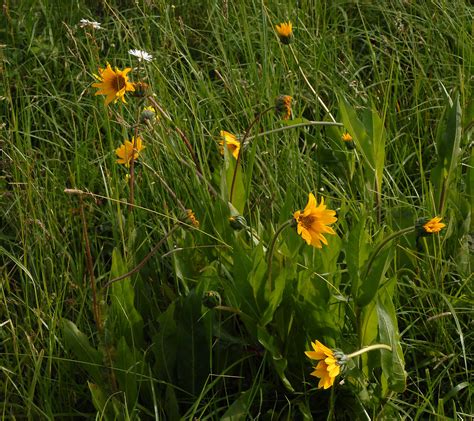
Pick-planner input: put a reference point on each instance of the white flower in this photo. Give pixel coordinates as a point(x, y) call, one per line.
point(89, 23)
point(141, 55)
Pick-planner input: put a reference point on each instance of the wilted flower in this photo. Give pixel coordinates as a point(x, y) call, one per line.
point(85, 23)
point(112, 83)
point(126, 151)
point(313, 222)
point(148, 114)
point(285, 32)
point(141, 89)
point(141, 55)
point(283, 106)
point(230, 140)
point(211, 299)
point(329, 365)
point(191, 218)
point(238, 222)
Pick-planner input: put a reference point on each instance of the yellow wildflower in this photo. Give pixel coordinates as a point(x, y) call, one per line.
point(126, 151)
point(230, 140)
point(434, 225)
point(285, 32)
point(313, 222)
point(112, 83)
point(346, 137)
point(328, 367)
point(283, 106)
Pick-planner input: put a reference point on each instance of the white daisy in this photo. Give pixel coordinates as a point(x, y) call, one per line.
point(85, 23)
point(141, 55)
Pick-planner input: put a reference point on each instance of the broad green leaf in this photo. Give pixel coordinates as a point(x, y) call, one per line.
point(279, 362)
point(128, 365)
point(123, 319)
point(275, 298)
point(376, 132)
point(393, 363)
point(239, 195)
point(449, 152)
point(193, 342)
point(165, 343)
point(360, 136)
point(357, 253)
point(370, 281)
point(368, 334)
point(102, 403)
point(78, 343)
point(239, 409)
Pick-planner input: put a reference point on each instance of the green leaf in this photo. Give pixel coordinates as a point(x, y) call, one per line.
point(449, 151)
point(123, 319)
point(101, 402)
point(370, 282)
point(229, 167)
point(357, 253)
point(128, 364)
point(239, 409)
point(393, 363)
point(269, 343)
point(275, 298)
point(78, 343)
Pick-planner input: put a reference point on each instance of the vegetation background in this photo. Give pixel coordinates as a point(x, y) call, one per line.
point(156, 352)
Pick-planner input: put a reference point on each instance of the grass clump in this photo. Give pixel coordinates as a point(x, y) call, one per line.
point(258, 191)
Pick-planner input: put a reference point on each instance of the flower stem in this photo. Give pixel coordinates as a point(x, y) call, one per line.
point(145, 259)
point(132, 163)
point(369, 348)
point(310, 86)
point(294, 126)
point(384, 242)
point(90, 268)
point(271, 249)
point(239, 156)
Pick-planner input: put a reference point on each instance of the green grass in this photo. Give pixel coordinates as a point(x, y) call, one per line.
point(400, 70)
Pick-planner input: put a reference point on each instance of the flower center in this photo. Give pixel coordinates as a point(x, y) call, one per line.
point(306, 221)
point(119, 83)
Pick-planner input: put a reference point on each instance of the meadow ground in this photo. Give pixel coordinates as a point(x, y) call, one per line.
point(290, 206)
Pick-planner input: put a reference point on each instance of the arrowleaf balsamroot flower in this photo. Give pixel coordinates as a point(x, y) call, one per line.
point(329, 365)
point(313, 222)
point(230, 140)
point(112, 83)
point(125, 151)
point(285, 32)
point(283, 106)
point(346, 137)
point(434, 225)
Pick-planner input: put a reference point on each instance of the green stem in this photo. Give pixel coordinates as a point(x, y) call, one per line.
point(242, 142)
point(145, 259)
point(271, 249)
point(294, 126)
point(369, 348)
point(383, 243)
point(310, 86)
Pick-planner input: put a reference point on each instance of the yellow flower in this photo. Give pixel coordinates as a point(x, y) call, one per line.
point(233, 145)
point(125, 151)
point(313, 222)
point(328, 367)
point(346, 137)
point(285, 32)
point(283, 106)
point(112, 83)
point(191, 218)
point(434, 225)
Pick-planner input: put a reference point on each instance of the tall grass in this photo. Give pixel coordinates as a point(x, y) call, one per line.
point(216, 66)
